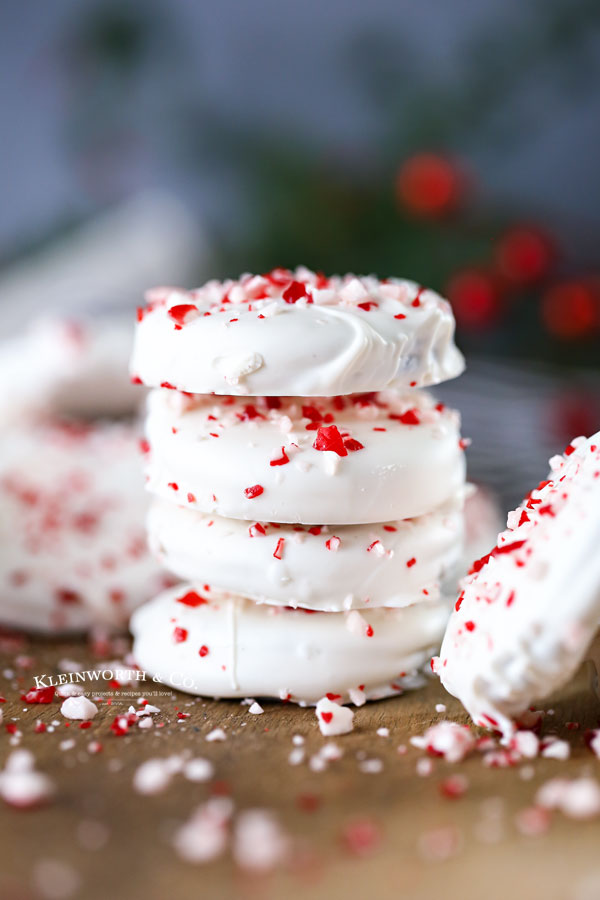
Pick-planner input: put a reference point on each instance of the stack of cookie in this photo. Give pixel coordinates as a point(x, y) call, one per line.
point(307, 492)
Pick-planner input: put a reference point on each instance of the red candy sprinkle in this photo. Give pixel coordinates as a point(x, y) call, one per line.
point(192, 599)
point(255, 491)
point(256, 529)
point(203, 651)
point(180, 635)
point(410, 417)
point(352, 445)
point(327, 717)
point(470, 626)
point(329, 438)
point(410, 563)
point(295, 291)
point(278, 552)
point(281, 460)
point(173, 485)
point(367, 305)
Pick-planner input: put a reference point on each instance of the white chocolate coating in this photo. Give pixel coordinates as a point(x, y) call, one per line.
point(530, 610)
point(74, 368)
point(232, 647)
point(72, 545)
point(207, 453)
point(340, 335)
point(320, 568)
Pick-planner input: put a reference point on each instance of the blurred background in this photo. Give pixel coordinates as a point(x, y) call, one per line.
point(453, 143)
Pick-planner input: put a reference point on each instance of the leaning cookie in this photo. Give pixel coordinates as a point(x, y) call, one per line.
point(217, 645)
point(530, 609)
point(72, 546)
point(348, 460)
point(295, 334)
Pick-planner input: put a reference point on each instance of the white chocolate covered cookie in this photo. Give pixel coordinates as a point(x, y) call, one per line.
point(342, 460)
point(315, 567)
point(295, 334)
point(218, 645)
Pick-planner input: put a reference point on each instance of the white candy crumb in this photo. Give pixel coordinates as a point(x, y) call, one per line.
point(383, 732)
point(578, 798)
point(198, 770)
point(152, 777)
point(78, 708)
point(217, 734)
point(358, 697)
point(440, 707)
point(296, 756)
point(371, 766)
point(556, 750)
point(448, 739)
point(424, 767)
point(333, 719)
point(205, 835)
point(259, 843)
point(20, 784)
point(526, 744)
point(256, 709)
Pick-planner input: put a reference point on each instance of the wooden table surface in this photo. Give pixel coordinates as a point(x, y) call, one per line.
point(428, 846)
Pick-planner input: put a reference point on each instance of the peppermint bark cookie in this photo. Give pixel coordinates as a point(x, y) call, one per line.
point(295, 334)
point(530, 609)
point(346, 460)
point(218, 645)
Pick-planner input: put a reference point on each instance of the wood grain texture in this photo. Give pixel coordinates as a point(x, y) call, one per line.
point(489, 857)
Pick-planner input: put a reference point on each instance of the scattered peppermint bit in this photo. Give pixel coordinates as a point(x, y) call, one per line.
point(256, 709)
point(217, 734)
point(259, 842)
point(578, 798)
point(78, 707)
point(333, 719)
point(447, 739)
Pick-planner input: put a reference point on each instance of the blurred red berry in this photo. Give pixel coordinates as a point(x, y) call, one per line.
point(429, 185)
point(524, 255)
point(571, 310)
point(573, 412)
point(475, 299)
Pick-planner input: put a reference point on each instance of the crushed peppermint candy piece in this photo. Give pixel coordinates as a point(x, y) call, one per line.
point(217, 734)
point(206, 833)
point(578, 798)
point(447, 739)
point(256, 709)
point(259, 842)
point(553, 748)
point(21, 785)
point(333, 719)
point(78, 707)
